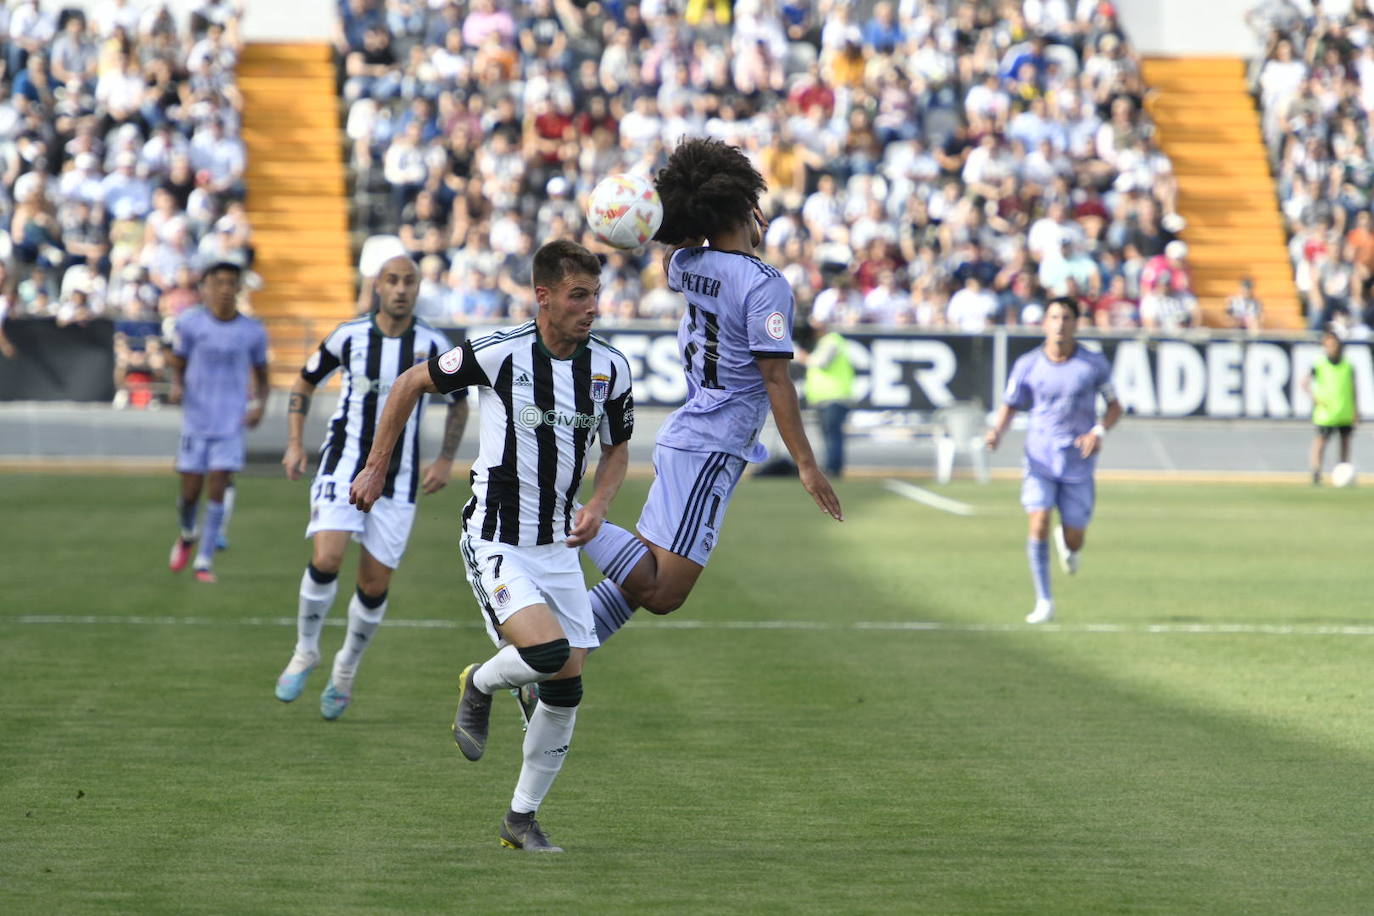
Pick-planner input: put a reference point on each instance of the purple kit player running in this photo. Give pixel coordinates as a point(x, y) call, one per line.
point(214, 352)
point(736, 343)
point(1059, 384)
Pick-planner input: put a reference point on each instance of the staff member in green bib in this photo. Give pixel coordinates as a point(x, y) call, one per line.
point(1334, 408)
point(830, 390)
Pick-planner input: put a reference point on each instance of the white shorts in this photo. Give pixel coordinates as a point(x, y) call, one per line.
point(507, 579)
point(383, 532)
point(201, 454)
point(687, 500)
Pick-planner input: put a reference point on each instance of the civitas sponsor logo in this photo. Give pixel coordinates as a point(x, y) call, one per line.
point(375, 386)
point(532, 416)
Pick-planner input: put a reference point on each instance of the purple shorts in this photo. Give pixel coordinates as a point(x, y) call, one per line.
point(1073, 498)
point(687, 500)
point(199, 454)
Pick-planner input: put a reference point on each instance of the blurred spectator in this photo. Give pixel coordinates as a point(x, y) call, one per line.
point(927, 140)
point(1115, 310)
point(6, 308)
point(106, 118)
point(1244, 309)
point(1167, 302)
point(1315, 84)
point(973, 307)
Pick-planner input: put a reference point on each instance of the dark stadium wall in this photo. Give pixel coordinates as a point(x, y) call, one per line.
point(1222, 377)
point(52, 363)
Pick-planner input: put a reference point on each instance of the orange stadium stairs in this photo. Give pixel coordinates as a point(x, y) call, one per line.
point(1210, 128)
point(297, 198)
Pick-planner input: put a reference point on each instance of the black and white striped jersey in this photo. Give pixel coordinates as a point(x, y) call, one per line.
point(370, 362)
point(539, 415)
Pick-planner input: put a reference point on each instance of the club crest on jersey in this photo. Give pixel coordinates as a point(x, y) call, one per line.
point(501, 597)
point(776, 326)
point(451, 361)
point(601, 387)
point(420, 357)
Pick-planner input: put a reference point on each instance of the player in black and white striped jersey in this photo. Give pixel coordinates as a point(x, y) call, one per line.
point(548, 389)
point(370, 352)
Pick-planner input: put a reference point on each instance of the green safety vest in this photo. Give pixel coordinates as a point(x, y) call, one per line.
point(1333, 386)
point(835, 381)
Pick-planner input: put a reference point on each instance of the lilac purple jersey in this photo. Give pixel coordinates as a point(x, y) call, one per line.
point(219, 357)
point(1062, 401)
point(739, 310)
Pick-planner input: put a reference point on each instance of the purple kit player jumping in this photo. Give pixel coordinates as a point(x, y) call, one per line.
point(736, 343)
point(214, 352)
point(1059, 384)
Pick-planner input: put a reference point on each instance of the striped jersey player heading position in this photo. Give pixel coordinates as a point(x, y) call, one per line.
point(736, 343)
point(370, 353)
point(549, 389)
point(215, 349)
point(1059, 384)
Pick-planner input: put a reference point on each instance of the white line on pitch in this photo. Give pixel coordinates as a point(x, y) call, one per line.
point(925, 497)
point(925, 626)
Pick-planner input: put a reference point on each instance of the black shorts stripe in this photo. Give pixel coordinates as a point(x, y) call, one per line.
point(696, 501)
point(338, 430)
point(546, 443)
point(705, 499)
point(470, 560)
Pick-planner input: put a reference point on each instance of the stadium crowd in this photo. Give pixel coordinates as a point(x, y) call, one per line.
point(1315, 83)
point(931, 162)
point(121, 167)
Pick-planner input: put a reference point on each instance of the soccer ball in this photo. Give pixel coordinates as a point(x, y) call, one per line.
point(1343, 475)
point(624, 211)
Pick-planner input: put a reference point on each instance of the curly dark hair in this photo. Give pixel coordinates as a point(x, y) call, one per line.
point(707, 187)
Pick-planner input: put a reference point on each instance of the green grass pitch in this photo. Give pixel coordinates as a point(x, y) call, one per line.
point(843, 719)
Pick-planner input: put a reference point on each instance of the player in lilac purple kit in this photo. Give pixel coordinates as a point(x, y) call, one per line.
point(214, 353)
point(1059, 384)
point(736, 343)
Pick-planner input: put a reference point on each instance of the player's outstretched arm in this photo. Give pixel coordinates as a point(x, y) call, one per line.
point(400, 403)
point(610, 474)
point(297, 408)
point(782, 397)
point(440, 470)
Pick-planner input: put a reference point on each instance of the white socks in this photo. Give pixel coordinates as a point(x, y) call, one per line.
point(316, 598)
point(546, 744)
point(362, 624)
point(504, 670)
